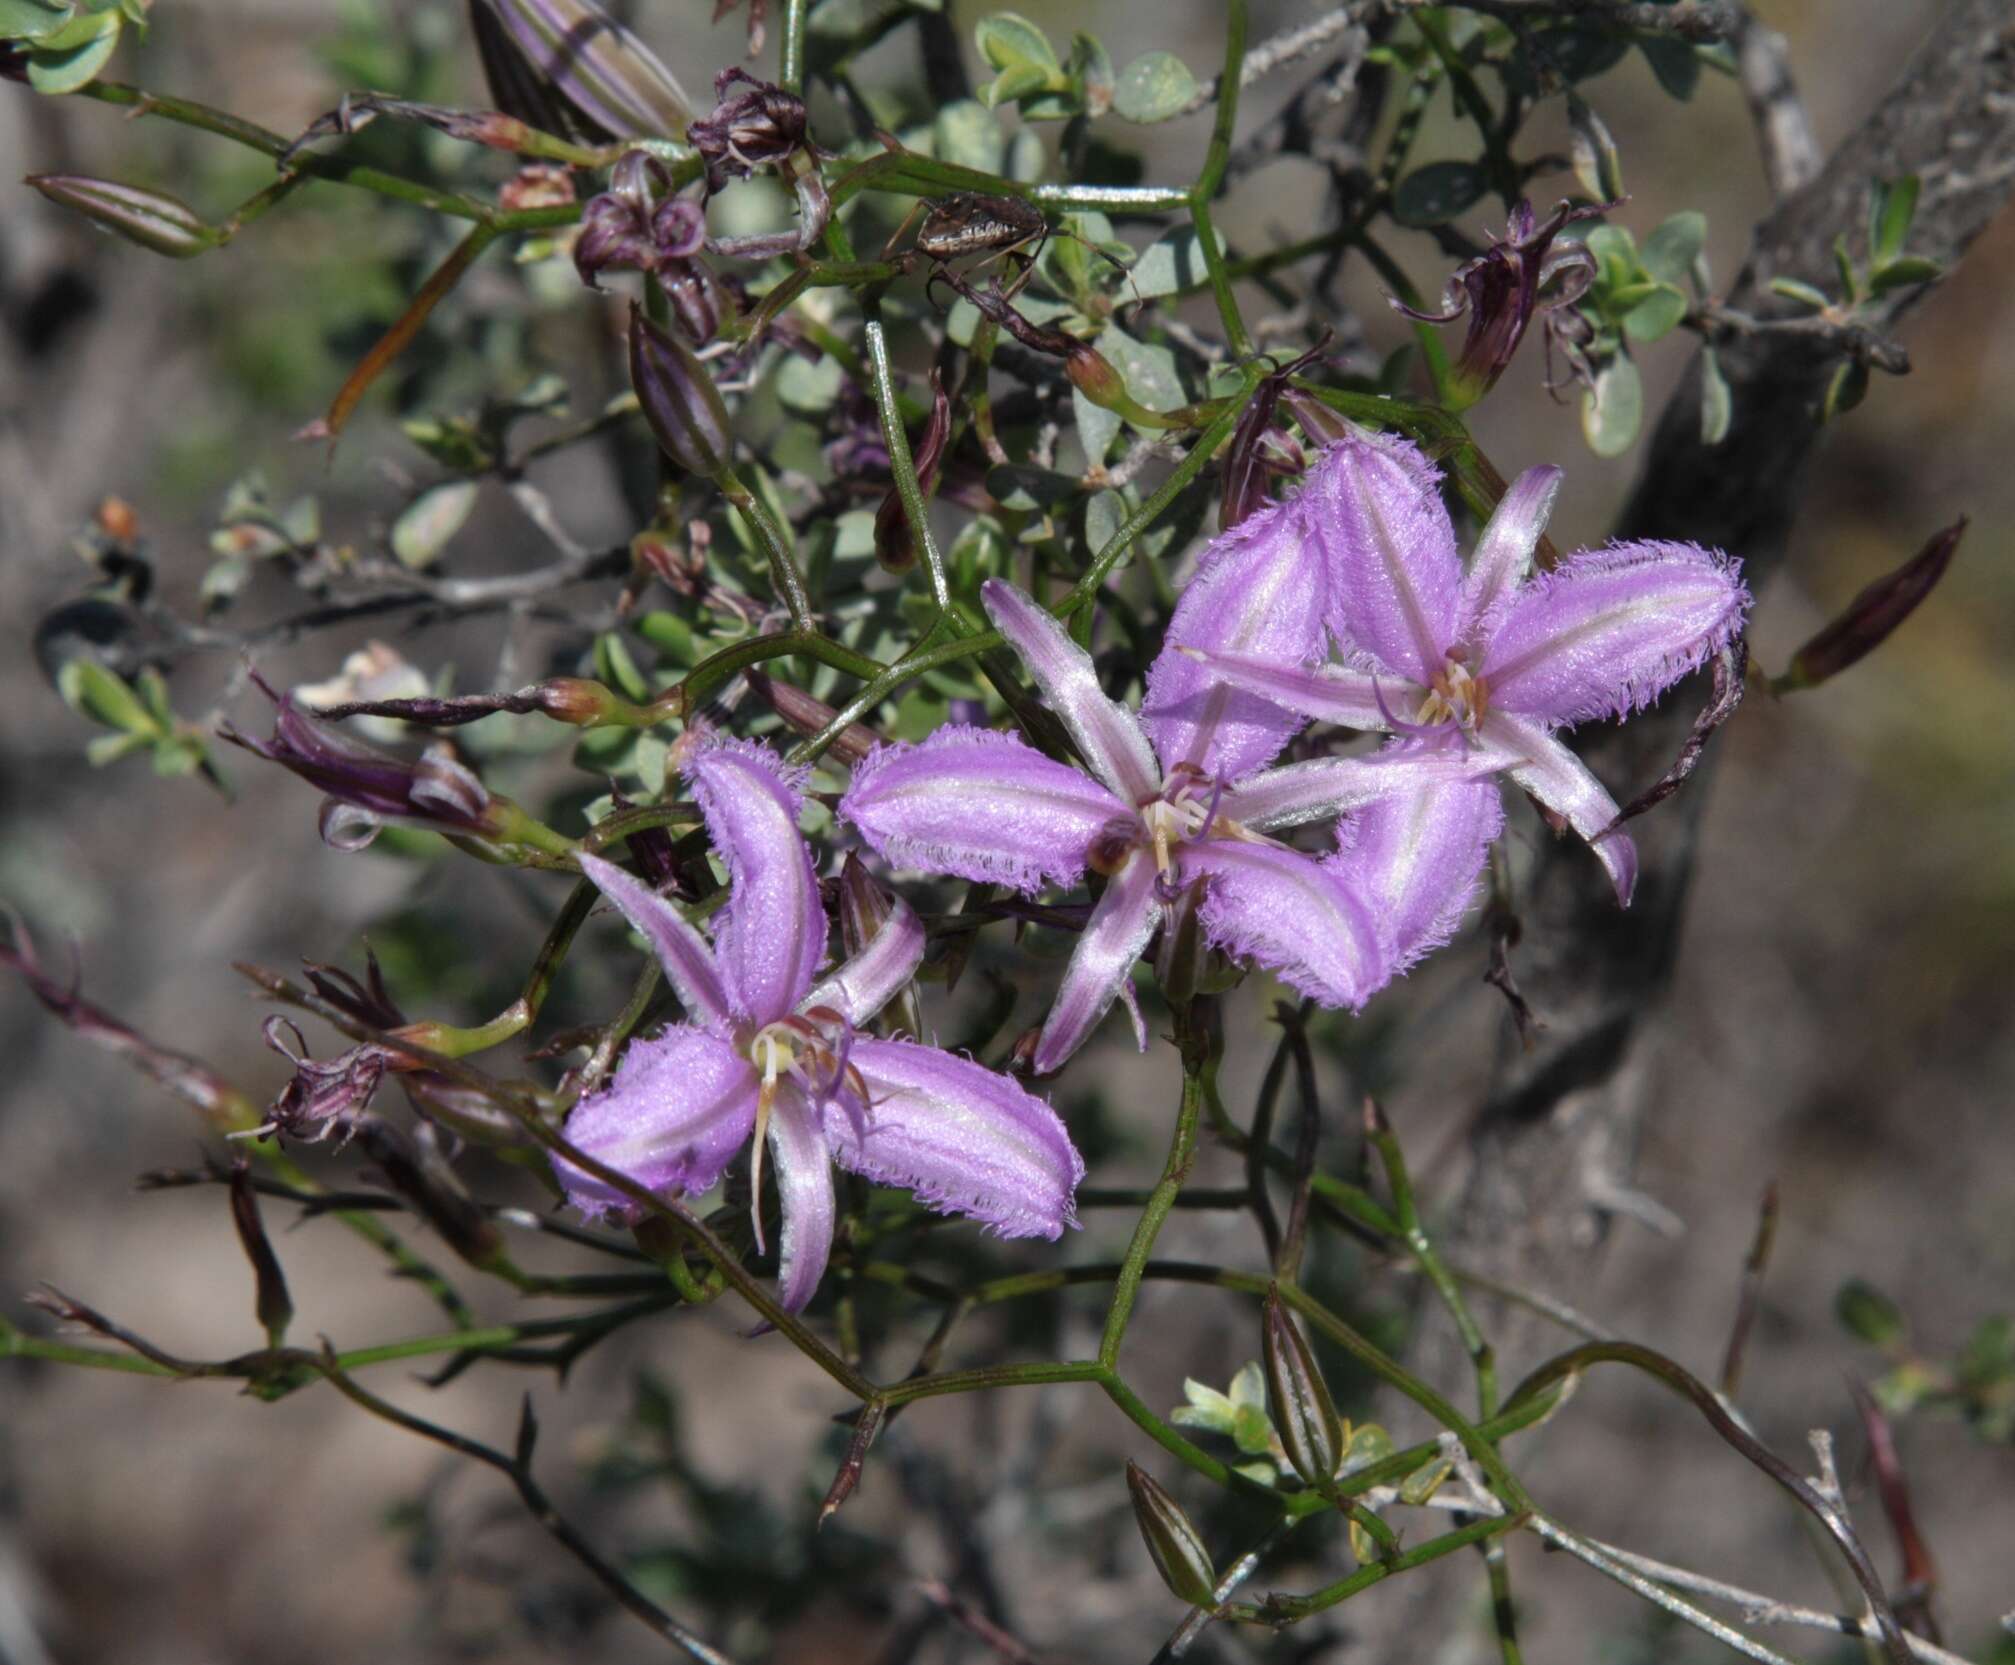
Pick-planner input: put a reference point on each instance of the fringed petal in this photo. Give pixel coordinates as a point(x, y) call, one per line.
point(1503, 554)
point(1297, 793)
point(771, 937)
point(1260, 589)
point(1395, 575)
point(1105, 733)
point(1114, 937)
point(672, 1117)
point(1416, 857)
point(866, 983)
point(803, 1166)
point(967, 1140)
point(1609, 630)
point(981, 805)
point(1543, 766)
point(1290, 914)
point(688, 961)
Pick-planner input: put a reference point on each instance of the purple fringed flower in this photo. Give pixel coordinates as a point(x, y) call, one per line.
point(1500, 656)
point(985, 806)
point(1520, 274)
point(768, 1050)
point(366, 787)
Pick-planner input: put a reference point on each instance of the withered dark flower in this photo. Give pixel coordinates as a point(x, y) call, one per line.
point(1258, 449)
point(367, 787)
point(761, 127)
point(746, 130)
point(1521, 274)
point(321, 1099)
point(637, 224)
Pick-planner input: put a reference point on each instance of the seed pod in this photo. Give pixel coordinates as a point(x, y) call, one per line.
point(1172, 1540)
point(681, 404)
point(1303, 1412)
point(274, 1306)
point(150, 218)
point(606, 74)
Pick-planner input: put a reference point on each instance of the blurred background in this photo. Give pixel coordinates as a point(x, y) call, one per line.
point(1839, 1024)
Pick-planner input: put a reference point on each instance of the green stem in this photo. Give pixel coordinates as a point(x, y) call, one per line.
point(1181, 1156)
point(1285, 1610)
point(791, 48)
point(1216, 159)
point(916, 509)
point(785, 573)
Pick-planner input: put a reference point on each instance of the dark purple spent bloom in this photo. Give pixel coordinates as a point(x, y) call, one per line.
point(1873, 616)
point(637, 224)
point(321, 1099)
point(748, 129)
point(365, 786)
point(1520, 274)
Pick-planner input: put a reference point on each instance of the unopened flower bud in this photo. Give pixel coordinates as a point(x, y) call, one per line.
point(273, 1305)
point(679, 401)
point(150, 218)
point(1172, 1540)
point(575, 700)
point(610, 79)
point(1303, 1413)
point(1873, 616)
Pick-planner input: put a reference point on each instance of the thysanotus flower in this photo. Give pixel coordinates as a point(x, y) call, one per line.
point(1501, 656)
point(769, 1051)
point(985, 806)
point(1520, 274)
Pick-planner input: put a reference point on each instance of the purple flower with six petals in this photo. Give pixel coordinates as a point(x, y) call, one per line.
point(767, 1051)
point(1500, 656)
point(985, 806)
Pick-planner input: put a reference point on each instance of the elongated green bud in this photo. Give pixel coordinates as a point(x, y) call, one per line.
point(1172, 1539)
point(151, 219)
point(1304, 1415)
point(679, 401)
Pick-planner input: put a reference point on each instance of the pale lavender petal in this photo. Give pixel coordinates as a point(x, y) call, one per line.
point(1114, 937)
point(1297, 793)
point(681, 950)
point(1391, 547)
point(671, 1118)
point(981, 805)
point(1328, 693)
point(1609, 630)
point(804, 1173)
point(771, 937)
point(1260, 589)
point(1290, 913)
point(1503, 554)
point(1543, 766)
point(965, 1139)
point(1106, 734)
point(875, 976)
point(1416, 858)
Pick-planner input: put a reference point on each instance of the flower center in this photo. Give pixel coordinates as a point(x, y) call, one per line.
point(1455, 696)
point(807, 1048)
point(1185, 809)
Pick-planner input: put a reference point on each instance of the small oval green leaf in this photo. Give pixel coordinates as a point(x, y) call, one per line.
point(1154, 87)
point(1613, 411)
point(427, 523)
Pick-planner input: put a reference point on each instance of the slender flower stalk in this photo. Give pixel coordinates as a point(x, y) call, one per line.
point(770, 1051)
point(1152, 819)
point(1495, 660)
